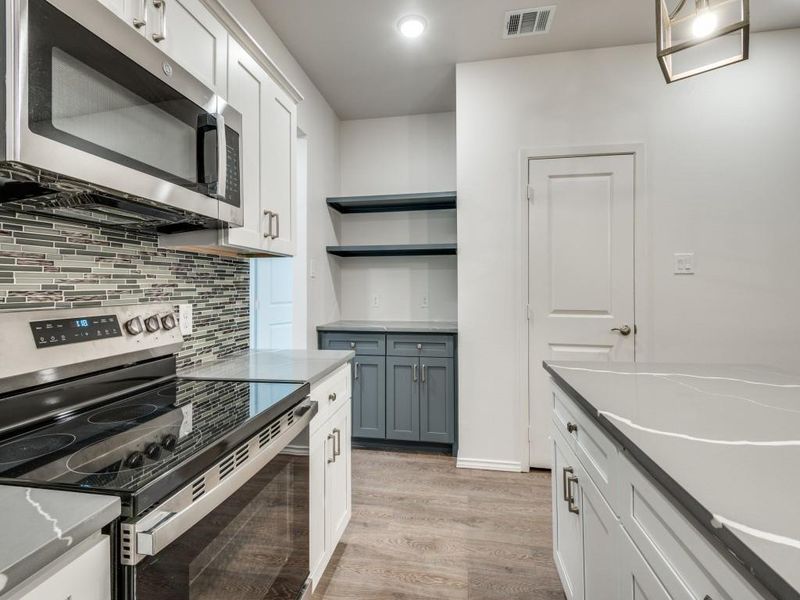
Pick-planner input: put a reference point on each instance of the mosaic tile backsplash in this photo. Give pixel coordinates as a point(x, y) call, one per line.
point(51, 264)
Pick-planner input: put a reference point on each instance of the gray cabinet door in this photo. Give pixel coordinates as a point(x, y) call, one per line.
point(369, 397)
point(436, 400)
point(402, 398)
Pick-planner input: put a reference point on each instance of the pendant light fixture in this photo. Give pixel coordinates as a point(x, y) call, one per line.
point(696, 36)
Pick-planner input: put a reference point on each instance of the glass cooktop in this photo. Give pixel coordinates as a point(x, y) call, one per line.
point(155, 440)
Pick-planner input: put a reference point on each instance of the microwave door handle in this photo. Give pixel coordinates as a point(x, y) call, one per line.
point(222, 158)
point(207, 176)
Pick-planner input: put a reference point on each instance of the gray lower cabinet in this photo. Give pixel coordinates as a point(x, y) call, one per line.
point(402, 398)
point(369, 397)
point(436, 400)
point(404, 384)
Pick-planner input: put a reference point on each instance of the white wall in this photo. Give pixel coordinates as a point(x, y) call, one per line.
point(722, 180)
point(398, 155)
point(321, 126)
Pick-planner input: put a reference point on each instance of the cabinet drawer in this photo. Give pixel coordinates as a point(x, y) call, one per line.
point(419, 345)
point(330, 393)
point(597, 452)
point(679, 554)
point(370, 344)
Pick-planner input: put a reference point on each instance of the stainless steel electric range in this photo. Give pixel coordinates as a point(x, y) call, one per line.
point(212, 475)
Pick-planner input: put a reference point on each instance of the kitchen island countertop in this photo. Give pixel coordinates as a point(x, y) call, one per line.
point(723, 440)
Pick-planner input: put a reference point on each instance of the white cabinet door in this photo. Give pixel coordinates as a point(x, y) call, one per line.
point(637, 580)
point(337, 493)
point(87, 577)
point(190, 35)
point(279, 144)
point(320, 450)
point(248, 86)
point(600, 538)
point(567, 527)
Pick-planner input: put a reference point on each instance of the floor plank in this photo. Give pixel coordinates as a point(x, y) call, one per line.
point(422, 529)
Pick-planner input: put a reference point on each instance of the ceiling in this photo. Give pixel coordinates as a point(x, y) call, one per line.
point(352, 51)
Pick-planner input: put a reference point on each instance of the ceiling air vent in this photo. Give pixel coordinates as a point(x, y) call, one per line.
point(528, 21)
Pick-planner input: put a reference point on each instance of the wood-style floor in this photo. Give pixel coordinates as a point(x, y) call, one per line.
point(422, 529)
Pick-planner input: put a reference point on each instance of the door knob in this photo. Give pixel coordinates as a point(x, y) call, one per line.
point(624, 330)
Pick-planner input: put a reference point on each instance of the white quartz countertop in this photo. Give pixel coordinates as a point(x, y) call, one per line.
point(40, 525)
point(273, 365)
point(392, 326)
point(724, 440)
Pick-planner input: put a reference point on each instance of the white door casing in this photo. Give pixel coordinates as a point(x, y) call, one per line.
point(580, 272)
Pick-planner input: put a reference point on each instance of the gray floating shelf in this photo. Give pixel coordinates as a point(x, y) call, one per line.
point(394, 250)
point(393, 202)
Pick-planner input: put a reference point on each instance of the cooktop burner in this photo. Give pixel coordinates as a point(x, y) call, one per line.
point(122, 414)
point(34, 447)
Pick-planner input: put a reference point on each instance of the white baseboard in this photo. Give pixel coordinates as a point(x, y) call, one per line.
point(489, 465)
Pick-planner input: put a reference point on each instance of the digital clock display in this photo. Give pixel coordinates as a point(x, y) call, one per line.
point(58, 332)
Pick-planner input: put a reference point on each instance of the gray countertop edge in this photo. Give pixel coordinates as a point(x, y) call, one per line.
point(737, 553)
point(32, 556)
point(196, 373)
point(377, 327)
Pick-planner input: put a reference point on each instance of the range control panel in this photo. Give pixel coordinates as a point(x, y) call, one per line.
point(57, 332)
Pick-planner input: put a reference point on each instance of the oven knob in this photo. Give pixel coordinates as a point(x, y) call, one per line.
point(135, 460)
point(168, 321)
point(169, 442)
point(153, 451)
point(134, 326)
point(152, 323)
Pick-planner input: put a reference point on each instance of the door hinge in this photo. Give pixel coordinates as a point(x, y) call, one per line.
point(530, 193)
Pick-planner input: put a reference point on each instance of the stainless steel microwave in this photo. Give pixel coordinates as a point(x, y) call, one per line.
point(103, 128)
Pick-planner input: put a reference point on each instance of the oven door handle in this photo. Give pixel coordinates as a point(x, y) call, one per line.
point(160, 528)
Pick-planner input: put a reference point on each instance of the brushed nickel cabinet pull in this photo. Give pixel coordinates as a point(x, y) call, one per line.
point(572, 427)
point(424, 371)
point(573, 508)
point(141, 20)
point(356, 373)
point(337, 447)
point(332, 397)
point(414, 369)
point(333, 458)
point(564, 482)
point(161, 35)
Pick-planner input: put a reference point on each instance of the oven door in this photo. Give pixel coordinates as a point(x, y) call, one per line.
point(97, 102)
point(243, 537)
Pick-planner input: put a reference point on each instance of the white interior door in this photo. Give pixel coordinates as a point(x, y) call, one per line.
point(581, 272)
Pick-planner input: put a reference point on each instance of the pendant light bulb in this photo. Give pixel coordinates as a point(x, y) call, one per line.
point(705, 21)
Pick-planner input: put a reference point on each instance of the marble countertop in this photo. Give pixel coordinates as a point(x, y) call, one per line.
point(392, 326)
point(40, 525)
point(273, 365)
point(724, 440)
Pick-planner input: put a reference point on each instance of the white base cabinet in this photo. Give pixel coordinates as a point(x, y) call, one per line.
point(82, 573)
point(330, 465)
point(616, 533)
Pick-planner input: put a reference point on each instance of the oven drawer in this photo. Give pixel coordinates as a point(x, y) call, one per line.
point(595, 449)
point(330, 393)
point(679, 554)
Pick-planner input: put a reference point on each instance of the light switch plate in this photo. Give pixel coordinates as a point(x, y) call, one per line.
point(185, 318)
point(683, 263)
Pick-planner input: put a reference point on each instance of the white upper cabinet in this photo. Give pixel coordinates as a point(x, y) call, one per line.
point(185, 31)
point(190, 35)
point(269, 125)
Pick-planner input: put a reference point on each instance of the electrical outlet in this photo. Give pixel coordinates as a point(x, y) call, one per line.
point(185, 318)
point(424, 302)
point(376, 301)
point(683, 263)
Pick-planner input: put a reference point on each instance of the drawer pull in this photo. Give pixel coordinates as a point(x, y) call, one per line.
point(332, 397)
point(419, 346)
point(572, 427)
point(352, 345)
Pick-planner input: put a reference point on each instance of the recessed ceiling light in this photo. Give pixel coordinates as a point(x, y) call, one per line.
point(412, 26)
